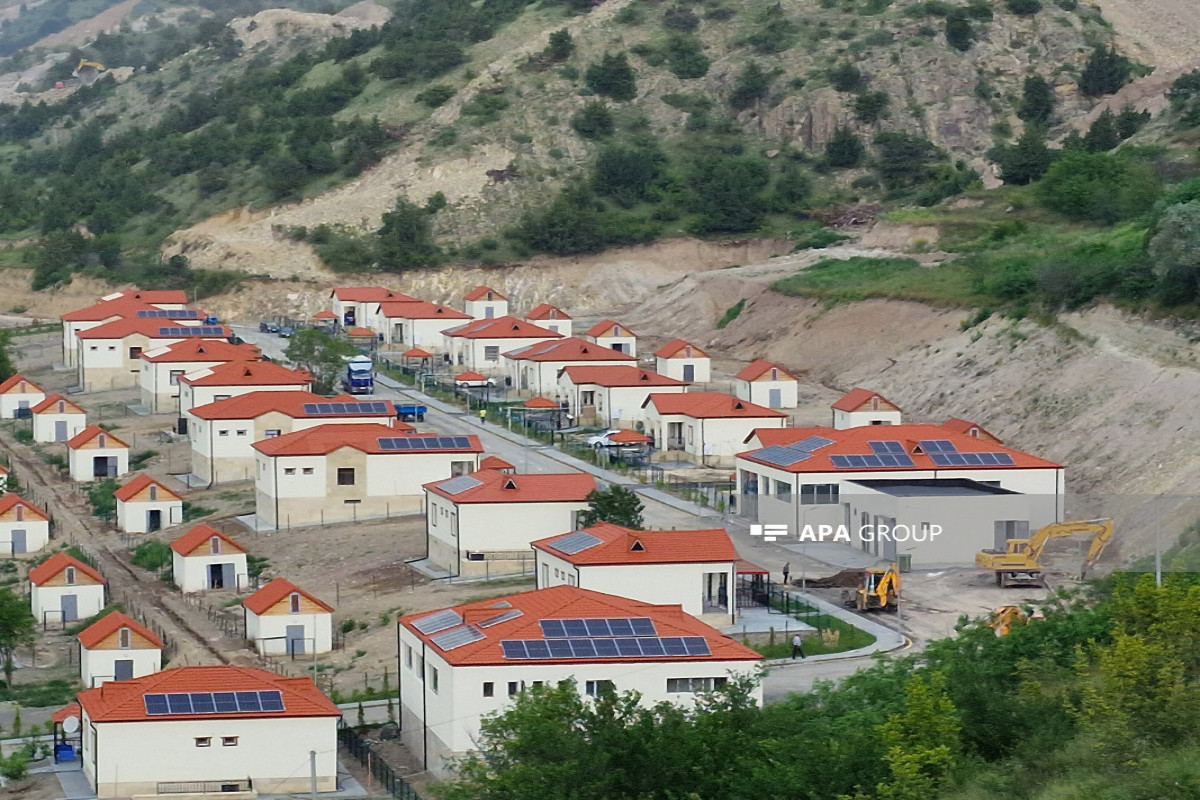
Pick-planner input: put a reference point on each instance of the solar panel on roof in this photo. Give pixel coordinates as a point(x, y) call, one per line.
point(622, 647)
point(575, 542)
point(271, 701)
point(871, 461)
point(594, 628)
point(881, 448)
point(202, 703)
point(459, 484)
point(937, 446)
point(944, 459)
point(179, 703)
point(440, 621)
point(226, 702)
point(158, 313)
point(505, 617)
point(812, 443)
point(782, 456)
point(248, 701)
point(156, 704)
point(457, 637)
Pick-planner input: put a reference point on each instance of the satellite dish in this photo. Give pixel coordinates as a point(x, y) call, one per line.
point(71, 724)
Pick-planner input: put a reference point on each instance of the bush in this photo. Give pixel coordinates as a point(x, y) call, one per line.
point(152, 555)
point(100, 496)
point(1102, 136)
point(1097, 187)
point(959, 33)
point(686, 57)
point(1026, 161)
point(485, 108)
point(1185, 97)
point(869, 107)
point(751, 86)
point(561, 46)
point(903, 160)
point(819, 240)
point(612, 77)
point(846, 78)
point(731, 313)
point(593, 121)
point(625, 174)
point(726, 191)
point(680, 18)
point(844, 149)
point(1024, 7)
point(1037, 101)
point(1106, 72)
point(436, 95)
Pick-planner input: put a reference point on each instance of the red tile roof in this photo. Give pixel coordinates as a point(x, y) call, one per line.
point(139, 482)
point(118, 305)
point(480, 293)
point(324, 439)
point(420, 309)
point(262, 600)
point(547, 311)
point(56, 564)
point(69, 710)
point(416, 352)
point(91, 432)
point(966, 426)
point(501, 328)
point(151, 296)
point(676, 347)
point(201, 534)
point(50, 404)
point(571, 349)
point(759, 367)
point(606, 327)
point(494, 462)
point(470, 376)
point(857, 398)
point(498, 487)
point(152, 329)
point(109, 624)
point(708, 405)
point(617, 375)
point(369, 294)
point(254, 404)
point(8, 501)
point(13, 381)
point(360, 331)
point(540, 402)
point(619, 545)
point(122, 701)
point(247, 373)
point(325, 314)
point(202, 350)
point(629, 437)
point(571, 602)
point(854, 441)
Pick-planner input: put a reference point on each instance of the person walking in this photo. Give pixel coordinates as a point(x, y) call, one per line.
point(787, 568)
point(483, 416)
point(797, 647)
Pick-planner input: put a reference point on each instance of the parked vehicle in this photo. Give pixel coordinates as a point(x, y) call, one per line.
point(602, 439)
point(286, 331)
point(411, 413)
point(359, 377)
point(268, 327)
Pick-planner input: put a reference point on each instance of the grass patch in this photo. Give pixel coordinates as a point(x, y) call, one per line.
point(193, 511)
point(854, 279)
point(832, 636)
point(40, 695)
point(731, 313)
point(84, 624)
point(152, 555)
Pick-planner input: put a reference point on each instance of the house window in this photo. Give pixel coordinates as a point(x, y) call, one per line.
point(408, 656)
point(221, 397)
point(684, 685)
point(229, 741)
point(271, 434)
point(203, 741)
point(214, 545)
point(174, 379)
point(491, 352)
point(289, 470)
point(818, 494)
point(587, 398)
point(489, 689)
point(70, 578)
point(223, 433)
point(62, 407)
point(597, 688)
point(241, 432)
point(307, 471)
point(102, 440)
point(134, 352)
point(20, 513)
point(433, 678)
point(783, 490)
point(513, 688)
point(112, 348)
point(691, 432)
point(345, 476)
point(295, 603)
point(93, 348)
point(153, 493)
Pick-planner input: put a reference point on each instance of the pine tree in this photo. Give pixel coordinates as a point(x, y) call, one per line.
point(1102, 136)
point(1106, 72)
point(1026, 161)
point(959, 33)
point(844, 150)
point(1037, 100)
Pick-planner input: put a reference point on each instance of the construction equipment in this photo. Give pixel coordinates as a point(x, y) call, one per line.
point(1005, 618)
point(1019, 563)
point(879, 589)
point(83, 62)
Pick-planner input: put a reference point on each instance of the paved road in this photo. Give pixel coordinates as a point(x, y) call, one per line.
point(787, 679)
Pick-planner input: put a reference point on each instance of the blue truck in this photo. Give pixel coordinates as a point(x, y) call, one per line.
point(359, 377)
point(411, 413)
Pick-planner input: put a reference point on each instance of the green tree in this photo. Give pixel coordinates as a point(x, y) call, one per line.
point(612, 77)
point(903, 159)
point(593, 121)
point(1024, 7)
point(1102, 136)
point(1130, 121)
point(751, 86)
point(16, 629)
point(102, 500)
point(922, 741)
point(616, 504)
point(1098, 187)
point(7, 370)
point(1175, 253)
point(561, 45)
point(435, 95)
point(626, 173)
point(844, 149)
point(959, 33)
point(870, 107)
point(1026, 161)
point(1037, 100)
point(727, 192)
point(405, 240)
point(686, 57)
point(846, 77)
point(323, 355)
point(1184, 95)
point(1106, 72)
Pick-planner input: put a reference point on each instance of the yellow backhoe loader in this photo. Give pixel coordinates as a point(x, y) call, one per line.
point(1019, 563)
point(1005, 618)
point(880, 589)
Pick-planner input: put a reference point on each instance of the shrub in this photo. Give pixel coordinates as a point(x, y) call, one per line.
point(625, 174)
point(846, 77)
point(1130, 121)
point(680, 18)
point(903, 160)
point(612, 77)
point(593, 121)
point(561, 45)
point(726, 191)
point(152, 555)
point(959, 33)
point(1102, 136)
point(1024, 7)
point(751, 86)
point(1097, 187)
point(1106, 72)
point(436, 95)
point(686, 57)
point(348, 625)
point(485, 108)
point(1037, 100)
point(1185, 97)
point(869, 107)
point(1026, 161)
point(731, 313)
point(844, 149)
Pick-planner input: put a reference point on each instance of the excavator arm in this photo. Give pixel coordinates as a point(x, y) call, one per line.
point(1021, 558)
point(1100, 528)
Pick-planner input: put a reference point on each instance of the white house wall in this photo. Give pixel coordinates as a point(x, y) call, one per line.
point(192, 396)
point(673, 368)
point(854, 419)
point(661, 584)
point(46, 601)
point(37, 534)
point(99, 666)
point(269, 632)
point(132, 517)
point(759, 392)
point(44, 425)
point(159, 394)
point(81, 463)
point(12, 402)
point(191, 572)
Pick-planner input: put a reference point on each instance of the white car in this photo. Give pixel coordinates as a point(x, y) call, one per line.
point(602, 439)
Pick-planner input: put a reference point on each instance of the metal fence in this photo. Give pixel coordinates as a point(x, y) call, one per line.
point(206, 787)
point(360, 748)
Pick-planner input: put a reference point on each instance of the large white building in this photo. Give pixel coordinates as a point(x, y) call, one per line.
point(860, 407)
point(222, 433)
point(64, 589)
point(534, 368)
point(683, 361)
point(416, 323)
point(355, 305)
point(96, 454)
point(478, 345)
point(145, 505)
point(694, 569)
point(766, 384)
point(24, 526)
point(208, 730)
point(162, 367)
point(237, 378)
point(612, 396)
point(108, 356)
point(337, 473)
point(117, 647)
point(57, 419)
point(711, 427)
point(461, 663)
point(283, 619)
point(482, 523)
point(205, 558)
point(978, 493)
point(18, 396)
point(118, 305)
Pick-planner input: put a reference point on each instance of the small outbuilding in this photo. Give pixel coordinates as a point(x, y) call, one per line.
point(766, 384)
point(57, 419)
point(64, 589)
point(683, 361)
point(145, 505)
point(117, 647)
point(283, 619)
point(95, 454)
point(18, 396)
point(24, 527)
point(205, 558)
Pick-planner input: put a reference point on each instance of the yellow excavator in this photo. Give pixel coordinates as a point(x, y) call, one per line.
point(83, 62)
point(1005, 618)
point(1018, 564)
point(879, 590)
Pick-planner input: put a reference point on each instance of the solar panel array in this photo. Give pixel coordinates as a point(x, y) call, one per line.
point(459, 484)
point(938, 446)
point(787, 455)
point(564, 628)
point(972, 459)
point(158, 705)
point(158, 313)
point(326, 409)
point(626, 647)
point(193, 330)
point(438, 622)
point(575, 542)
point(812, 444)
point(874, 461)
point(457, 637)
point(410, 443)
point(885, 448)
point(505, 617)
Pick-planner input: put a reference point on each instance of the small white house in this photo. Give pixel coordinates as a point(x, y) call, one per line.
point(57, 419)
point(683, 361)
point(355, 305)
point(64, 589)
point(693, 569)
point(484, 302)
point(283, 619)
point(145, 505)
point(117, 647)
point(96, 454)
point(162, 367)
point(18, 396)
point(535, 368)
point(614, 335)
point(24, 527)
point(863, 407)
point(235, 378)
point(478, 345)
point(204, 558)
point(461, 663)
point(550, 317)
point(240, 730)
point(612, 396)
point(416, 323)
point(766, 384)
point(709, 426)
point(483, 522)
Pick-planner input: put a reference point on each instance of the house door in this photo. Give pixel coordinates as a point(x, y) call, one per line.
point(153, 520)
point(216, 576)
point(104, 467)
point(19, 544)
point(228, 578)
point(123, 669)
point(60, 430)
point(295, 639)
point(674, 435)
point(774, 398)
point(545, 576)
point(689, 372)
point(70, 608)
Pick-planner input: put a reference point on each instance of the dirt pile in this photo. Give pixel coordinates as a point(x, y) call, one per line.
point(281, 24)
